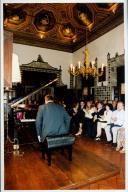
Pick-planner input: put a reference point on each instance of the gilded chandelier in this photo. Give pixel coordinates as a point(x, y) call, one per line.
point(88, 68)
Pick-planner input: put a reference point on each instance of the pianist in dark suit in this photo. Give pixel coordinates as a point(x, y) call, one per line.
point(52, 119)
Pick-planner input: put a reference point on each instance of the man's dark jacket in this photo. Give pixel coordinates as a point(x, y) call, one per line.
point(52, 119)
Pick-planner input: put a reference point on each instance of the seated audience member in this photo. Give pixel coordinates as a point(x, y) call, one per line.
point(88, 118)
point(117, 121)
point(82, 104)
point(114, 105)
point(86, 109)
point(74, 125)
point(96, 101)
point(121, 140)
point(105, 101)
point(100, 112)
point(52, 119)
point(81, 116)
point(104, 121)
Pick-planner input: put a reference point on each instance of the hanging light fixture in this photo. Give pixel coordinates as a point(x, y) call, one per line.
point(88, 68)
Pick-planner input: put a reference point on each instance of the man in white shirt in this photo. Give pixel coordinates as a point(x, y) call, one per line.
point(117, 121)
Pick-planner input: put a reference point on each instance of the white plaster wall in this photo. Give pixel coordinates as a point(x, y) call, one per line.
point(16, 77)
point(55, 58)
point(111, 42)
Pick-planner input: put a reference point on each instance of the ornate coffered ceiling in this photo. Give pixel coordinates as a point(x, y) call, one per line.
point(61, 26)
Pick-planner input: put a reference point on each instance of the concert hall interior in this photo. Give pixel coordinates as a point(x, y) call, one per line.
point(64, 96)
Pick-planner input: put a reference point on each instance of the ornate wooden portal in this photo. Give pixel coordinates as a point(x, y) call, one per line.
point(37, 73)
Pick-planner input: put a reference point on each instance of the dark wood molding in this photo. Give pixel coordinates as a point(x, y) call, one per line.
point(33, 41)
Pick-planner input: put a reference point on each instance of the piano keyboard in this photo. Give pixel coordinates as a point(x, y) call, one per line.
point(27, 120)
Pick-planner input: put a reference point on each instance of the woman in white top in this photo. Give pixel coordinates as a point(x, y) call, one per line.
point(104, 121)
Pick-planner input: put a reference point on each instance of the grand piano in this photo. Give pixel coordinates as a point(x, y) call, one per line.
point(23, 117)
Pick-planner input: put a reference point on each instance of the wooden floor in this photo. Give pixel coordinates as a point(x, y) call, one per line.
point(94, 166)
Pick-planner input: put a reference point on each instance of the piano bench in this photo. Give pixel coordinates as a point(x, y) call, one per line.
point(57, 142)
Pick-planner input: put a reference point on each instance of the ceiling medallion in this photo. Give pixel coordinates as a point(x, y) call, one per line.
point(68, 31)
point(44, 21)
point(15, 17)
point(83, 15)
point(84, 18)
